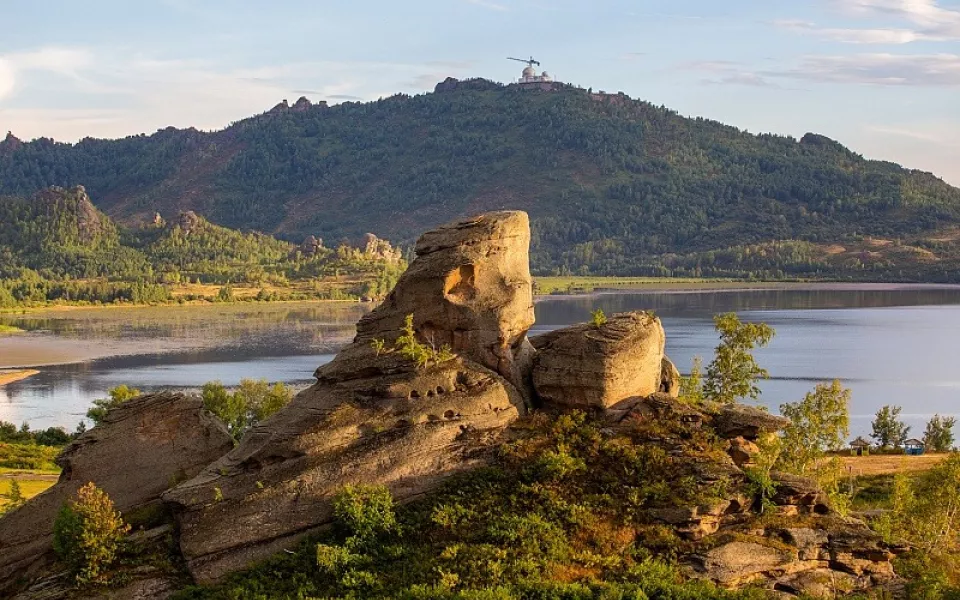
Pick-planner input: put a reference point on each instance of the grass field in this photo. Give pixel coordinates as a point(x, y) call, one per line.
point(9, 329)
point(890, 464)
point(31, 482)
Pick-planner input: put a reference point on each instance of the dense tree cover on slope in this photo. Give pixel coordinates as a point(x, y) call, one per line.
point(55, 246)
point(614, 185)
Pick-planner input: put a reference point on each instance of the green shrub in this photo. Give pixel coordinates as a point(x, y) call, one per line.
point(598, 318)
point(117, 396)
point(87, 534)
point(364, 514)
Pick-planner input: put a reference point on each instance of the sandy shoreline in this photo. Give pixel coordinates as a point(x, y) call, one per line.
point(16, 375)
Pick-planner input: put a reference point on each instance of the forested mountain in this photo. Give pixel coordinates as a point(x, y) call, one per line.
point(56, 246)
point(613, 185)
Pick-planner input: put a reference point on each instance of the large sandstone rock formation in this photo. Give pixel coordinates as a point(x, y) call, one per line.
point(140, 450)
point(590, 366)
point(373, 417)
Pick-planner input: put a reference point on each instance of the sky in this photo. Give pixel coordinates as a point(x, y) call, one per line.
point(880, 76)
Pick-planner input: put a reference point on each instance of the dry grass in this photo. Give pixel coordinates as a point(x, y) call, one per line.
point(31, 483)
point(889, 464)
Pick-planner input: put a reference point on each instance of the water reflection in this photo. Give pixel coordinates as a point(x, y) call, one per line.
point(888, 346)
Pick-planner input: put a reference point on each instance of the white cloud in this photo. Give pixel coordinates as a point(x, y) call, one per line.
point(8, 78)
point(115, 94)
point(62, 61)
point(879, 69)
point(922, 21)
point(855, 36)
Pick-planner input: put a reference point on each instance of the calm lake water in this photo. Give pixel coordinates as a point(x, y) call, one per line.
point(899, 346)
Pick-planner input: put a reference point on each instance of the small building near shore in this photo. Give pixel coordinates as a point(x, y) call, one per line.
point(914, 447)
point(859, 446)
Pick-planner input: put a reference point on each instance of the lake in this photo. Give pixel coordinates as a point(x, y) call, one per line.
point(890, 344)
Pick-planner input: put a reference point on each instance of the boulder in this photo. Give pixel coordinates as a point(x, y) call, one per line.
point(739, 420)
point(669, 378)
point(374, 417)
point(738, 563)
point(589, 366)
point(803, 492)
point(742, 451)
point(141, 448)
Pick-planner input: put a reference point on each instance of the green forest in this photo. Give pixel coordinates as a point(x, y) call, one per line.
point(57, 247)
point(614, 186)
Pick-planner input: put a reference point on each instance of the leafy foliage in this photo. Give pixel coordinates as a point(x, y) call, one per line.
point(87, 534)
point(888, 429)
point(818, 423)
point(925, 512)
point(938, 436)
point(117, 396)
point(253, 401)
point(598, 318)
point(411, 348)
point(733, 372)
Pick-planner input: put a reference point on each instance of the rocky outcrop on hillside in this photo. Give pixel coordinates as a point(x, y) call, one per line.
point(375, 417)
point(140, 450)
point(188, 221)
point(75, 202)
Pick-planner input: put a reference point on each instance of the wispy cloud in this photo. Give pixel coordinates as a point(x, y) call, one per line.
point(854, 36)
point(878, 69)
point(921, 21)
point(67, 62)
point(937, 70)
point(488, 5)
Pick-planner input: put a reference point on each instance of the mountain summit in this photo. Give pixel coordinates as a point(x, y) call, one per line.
point(612, 184)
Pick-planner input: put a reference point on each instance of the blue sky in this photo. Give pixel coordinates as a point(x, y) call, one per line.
point(881, 76)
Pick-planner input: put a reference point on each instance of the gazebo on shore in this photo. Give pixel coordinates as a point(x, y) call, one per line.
point(914, 447)
point(859, 446)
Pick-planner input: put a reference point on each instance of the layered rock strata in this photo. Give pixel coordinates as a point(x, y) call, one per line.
point(374, 417)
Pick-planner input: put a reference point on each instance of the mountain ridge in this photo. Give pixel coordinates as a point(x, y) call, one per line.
point(613, 185)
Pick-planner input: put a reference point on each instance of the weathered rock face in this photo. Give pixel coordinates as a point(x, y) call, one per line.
point(669, 378)
point(740, 420)
point(373, 417)
point(598, 367)
point(469, 288)
point(141, 449)
point(188, 221)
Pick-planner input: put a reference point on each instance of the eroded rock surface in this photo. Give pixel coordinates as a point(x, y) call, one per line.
point(373, 417)
point(140, 450)
point(587, 366)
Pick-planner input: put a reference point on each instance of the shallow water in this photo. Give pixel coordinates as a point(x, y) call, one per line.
point(889, 346)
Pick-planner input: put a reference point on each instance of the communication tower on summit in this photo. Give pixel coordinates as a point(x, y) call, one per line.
point(529, 73)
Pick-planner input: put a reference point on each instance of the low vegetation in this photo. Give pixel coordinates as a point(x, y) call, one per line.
point(87, 535)
point(558, 516)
